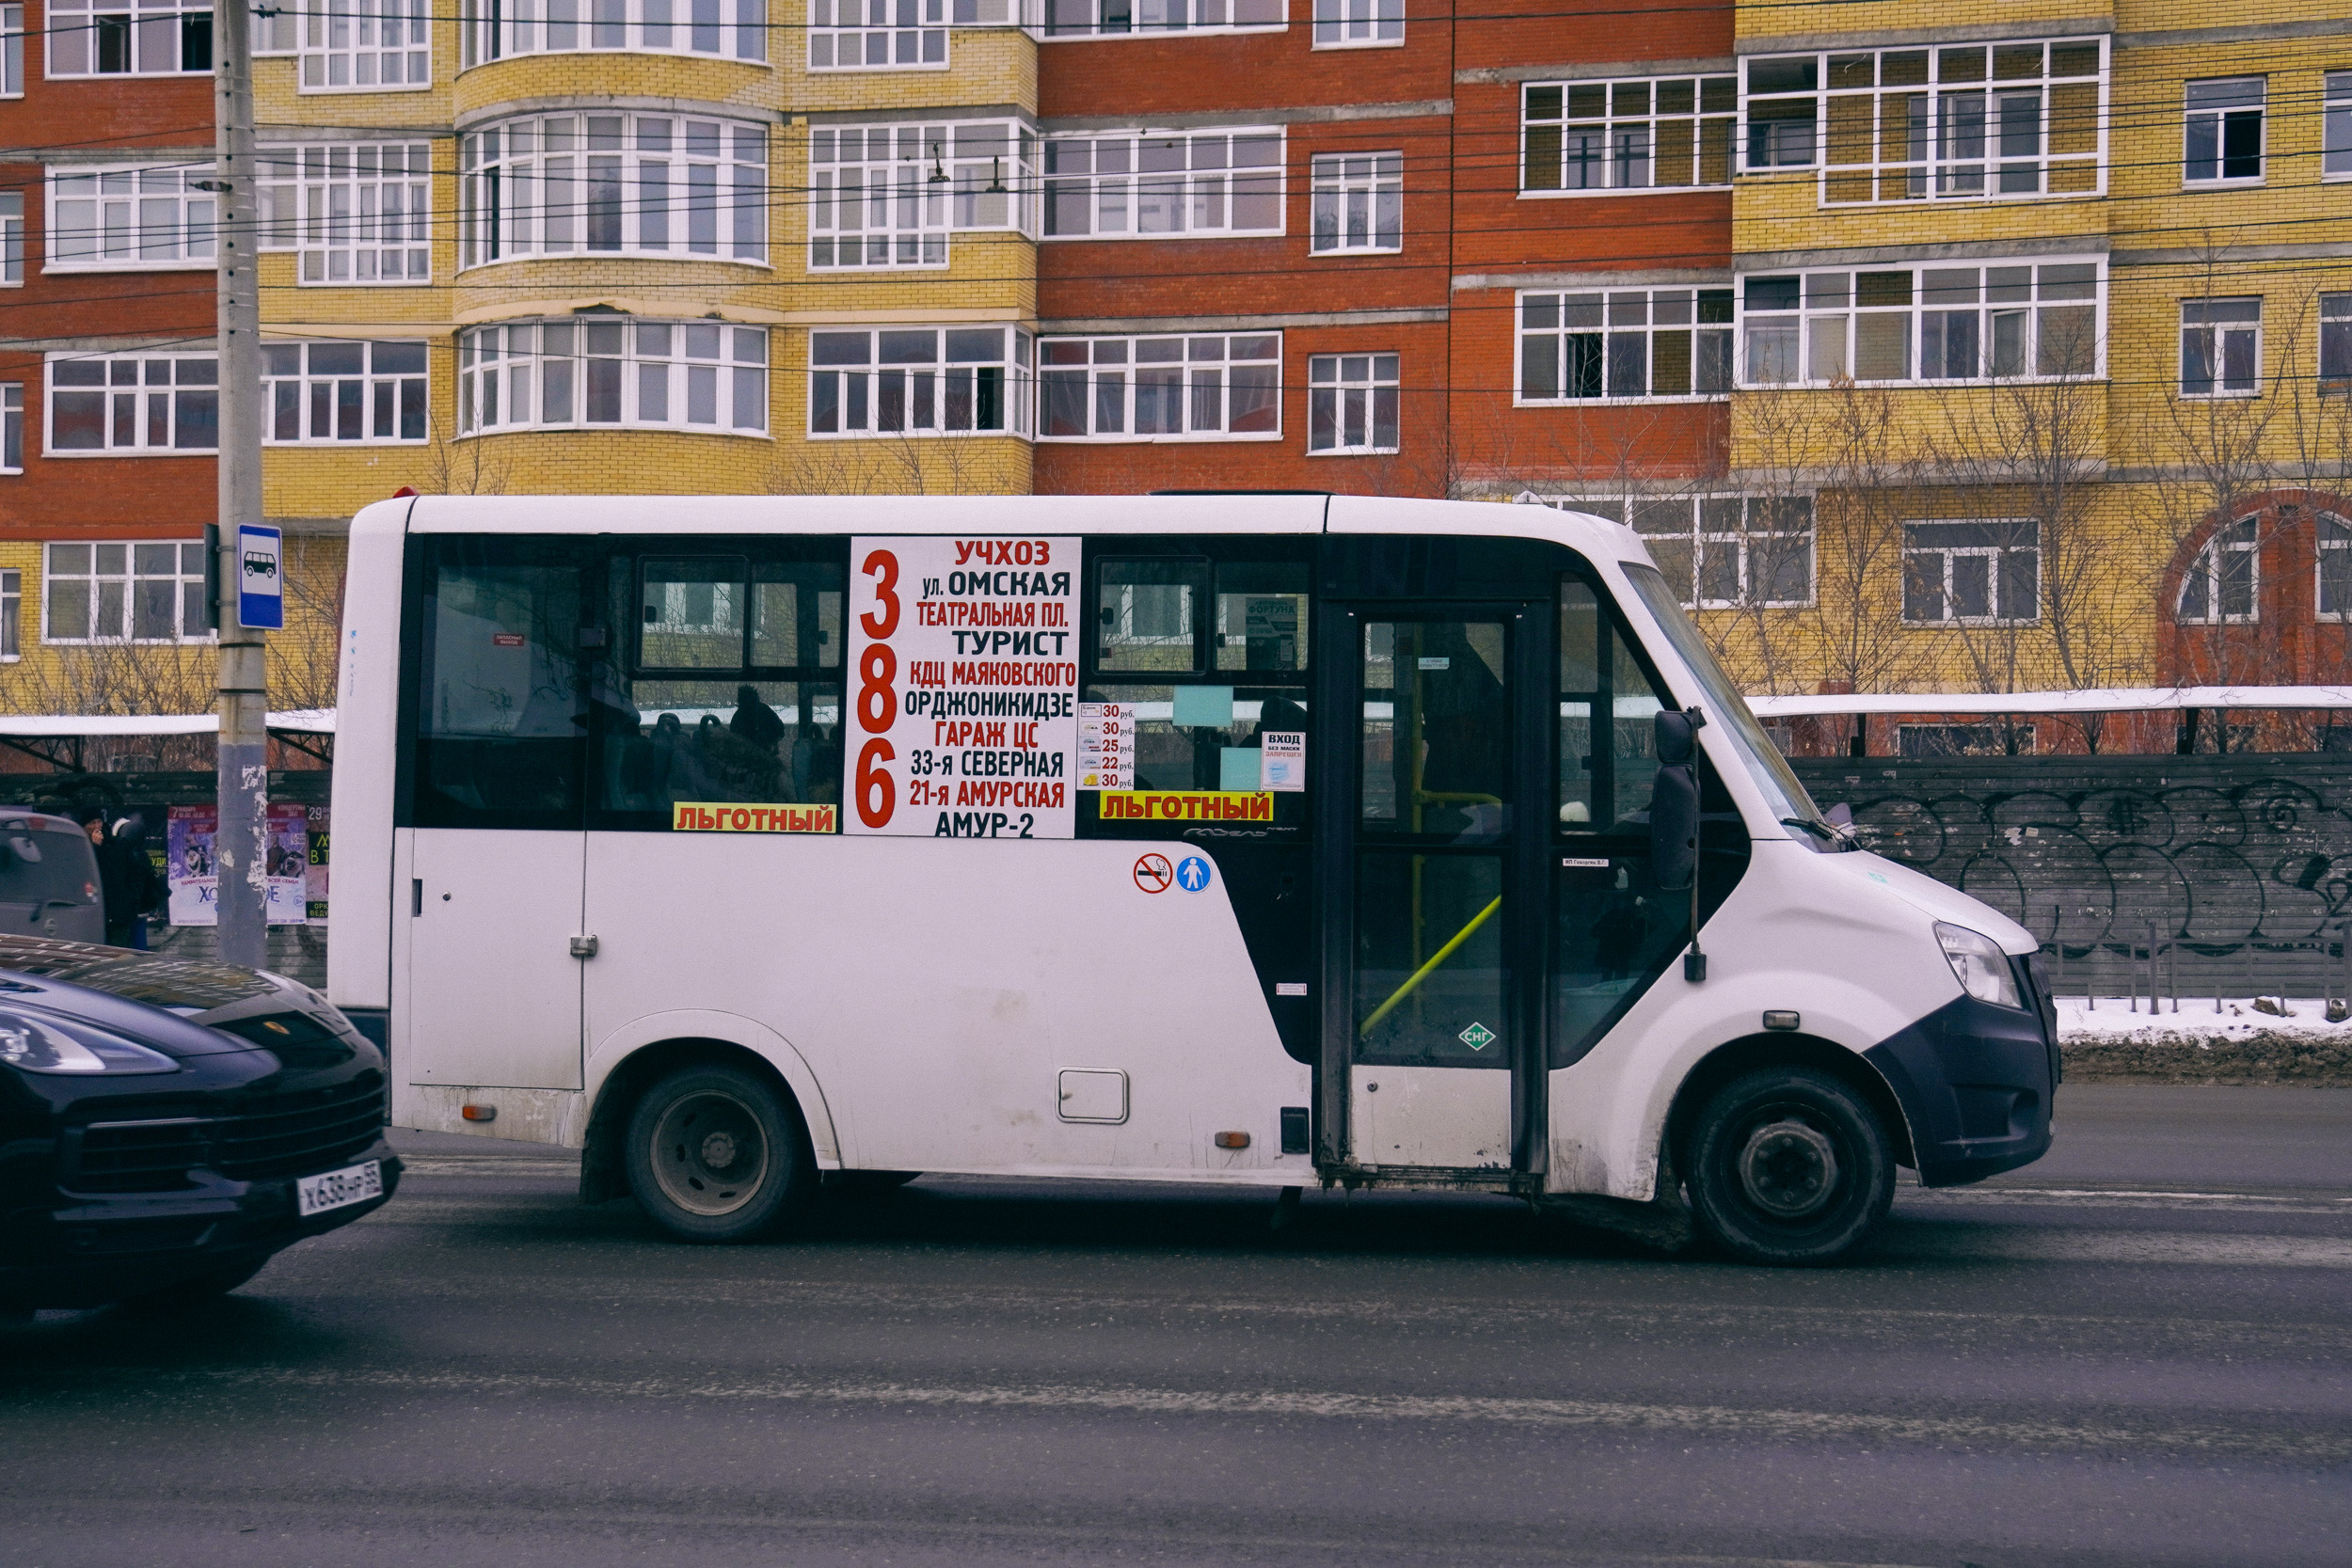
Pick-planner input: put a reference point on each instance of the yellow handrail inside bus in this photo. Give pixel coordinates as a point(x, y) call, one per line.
point(1424, 971)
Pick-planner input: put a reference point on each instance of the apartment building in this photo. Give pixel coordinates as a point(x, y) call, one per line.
point(1932, 347)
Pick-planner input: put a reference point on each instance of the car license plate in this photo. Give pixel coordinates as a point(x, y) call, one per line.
point(315, 1194)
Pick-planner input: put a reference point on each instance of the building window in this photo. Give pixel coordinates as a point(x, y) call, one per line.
point(613, 371)
point(2335, 567)
point(1723, 551)
point(2335, 158)
point(1922, 325)
point(1627, 135)
point(736, 28)
point(357, 212)
point(1359, 24)
point(2221, 347)
point(1359, 202)
point(1964, 123)
point(11, 52)
point(130, 218)
point(1163, 184)
point(1076, 18)
point(919, 381)
point(1962, 740)
point(12, 428)
point(1972, 574)
point(12, 237)
point(2335, 344)
point(324, 393)
point(2221, 583)
point(130, 591)
point(1626, 344)
point(111, 38)
point(887, 196)
point(637, 184)
point(2223, 138)
point(1161, 388)
point(123, 403)
point(352, 45)
point(1351, 403)
point(876, 34)
point(11, 615)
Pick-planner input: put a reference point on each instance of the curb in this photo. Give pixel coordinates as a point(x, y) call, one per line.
point(2181, 1057)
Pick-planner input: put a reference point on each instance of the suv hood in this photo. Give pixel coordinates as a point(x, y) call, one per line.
point(177, 1005)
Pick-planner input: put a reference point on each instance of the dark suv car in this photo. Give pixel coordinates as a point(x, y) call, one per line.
point(167, 1127)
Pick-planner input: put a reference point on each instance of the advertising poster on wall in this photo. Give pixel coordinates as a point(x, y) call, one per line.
point(314, 882)
point(191, 864)
point(963, 666)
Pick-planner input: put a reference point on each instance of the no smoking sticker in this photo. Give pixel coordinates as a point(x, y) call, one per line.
point(1153, 873)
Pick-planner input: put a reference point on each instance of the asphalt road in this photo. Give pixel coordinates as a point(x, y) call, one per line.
point(2132, 1353)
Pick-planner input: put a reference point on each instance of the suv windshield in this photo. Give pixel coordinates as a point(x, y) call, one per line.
point(1783, 793)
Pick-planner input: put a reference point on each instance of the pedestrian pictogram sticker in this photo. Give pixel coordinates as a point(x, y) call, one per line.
point(1477, 1036)
point(1192, 874)
point(1153, 873)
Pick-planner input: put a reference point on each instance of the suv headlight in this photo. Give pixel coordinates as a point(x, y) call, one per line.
point(1981, 965)
point(39, 1045)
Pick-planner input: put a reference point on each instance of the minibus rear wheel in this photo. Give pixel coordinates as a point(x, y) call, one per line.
point(1789, 1165)
point(716, 1154)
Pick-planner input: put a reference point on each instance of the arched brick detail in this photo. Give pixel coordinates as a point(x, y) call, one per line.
point(2286, 644)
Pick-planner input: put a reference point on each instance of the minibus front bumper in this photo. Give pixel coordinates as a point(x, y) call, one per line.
point(1975, 1080)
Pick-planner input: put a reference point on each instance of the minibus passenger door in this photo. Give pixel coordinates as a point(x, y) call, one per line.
point(1435, 1019)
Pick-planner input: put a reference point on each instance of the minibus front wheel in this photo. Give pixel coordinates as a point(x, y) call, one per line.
point(716, 1154)
point(1789, 1165)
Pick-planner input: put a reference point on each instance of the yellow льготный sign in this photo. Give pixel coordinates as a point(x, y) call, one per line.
point(719, 817)
point(1161, 805)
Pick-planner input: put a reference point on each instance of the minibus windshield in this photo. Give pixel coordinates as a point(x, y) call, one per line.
point(1725, 706)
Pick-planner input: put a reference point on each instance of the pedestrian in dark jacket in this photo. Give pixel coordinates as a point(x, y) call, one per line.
point(126, 878)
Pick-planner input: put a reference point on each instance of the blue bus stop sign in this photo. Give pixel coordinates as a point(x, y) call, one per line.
point(260, 579)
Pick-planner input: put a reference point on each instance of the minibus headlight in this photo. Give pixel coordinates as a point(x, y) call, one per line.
point(1981, 965)
point(38, 1045)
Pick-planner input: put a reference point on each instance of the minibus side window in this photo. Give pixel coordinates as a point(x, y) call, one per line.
point(1607, 708)
point(725, 688)
point(1144, 615)
point(499, 711)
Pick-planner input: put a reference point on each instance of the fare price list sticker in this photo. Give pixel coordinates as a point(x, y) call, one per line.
point(1106, 745)
point(963, 709)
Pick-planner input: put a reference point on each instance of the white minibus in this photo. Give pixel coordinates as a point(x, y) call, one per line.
point(1260, 839)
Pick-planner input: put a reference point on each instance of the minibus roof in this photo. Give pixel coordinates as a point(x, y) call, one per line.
point(1236, 511)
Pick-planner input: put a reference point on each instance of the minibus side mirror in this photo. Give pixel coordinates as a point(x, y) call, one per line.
point(1674, 804)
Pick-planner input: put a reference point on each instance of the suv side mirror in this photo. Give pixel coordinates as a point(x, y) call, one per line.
point(1673, 803)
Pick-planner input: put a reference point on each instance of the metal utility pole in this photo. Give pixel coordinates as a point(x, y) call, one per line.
point(241, 847)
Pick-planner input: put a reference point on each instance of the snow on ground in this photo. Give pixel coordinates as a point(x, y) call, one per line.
point(2114, 1020)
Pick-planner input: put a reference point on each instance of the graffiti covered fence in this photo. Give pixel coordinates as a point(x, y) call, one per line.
point(2237, 870)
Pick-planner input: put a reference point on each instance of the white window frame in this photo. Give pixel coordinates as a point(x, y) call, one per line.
point(2334, 549)
point(11, 427)
point(895, 193)
point(11, 51)
point(186, 578)
point(2022, 313)
point(11, 239)
point(548, 360)
point(732, 29)
point(127, 201)
point(11, 616)
point(1356, 203)
point(1614, 318)
point(303, 389)
point(1694, 530)
point(365, 46)
point(506, 212)
point(1359, 24)
point(883, 35)
point(148, 28)
point(1111, 366)
point(1628, 115)
point(2335, 154)
point(135, 377)
point(1060, 21)
point(1349, 397)
point(2244, 539)
point(1210, 183)
point(279, 32)
point(2213, 119)
point(2003, 538)
point(358, 214)
point(2218, 334)
point(1980, 131)
point(904, 389)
